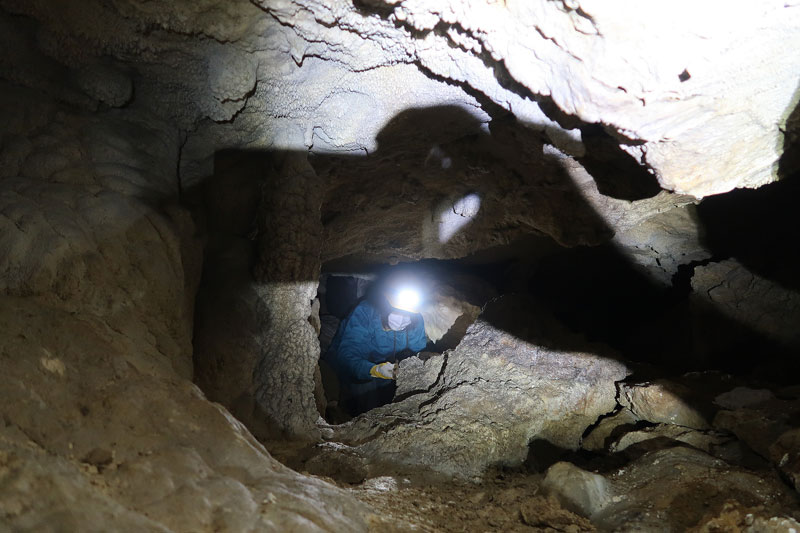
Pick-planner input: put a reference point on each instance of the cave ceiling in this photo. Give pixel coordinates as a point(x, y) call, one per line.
point(574, 121)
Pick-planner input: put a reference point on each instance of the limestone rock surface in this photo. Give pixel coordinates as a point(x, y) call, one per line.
point(462, 193)
point(662, 243)
point(230, 325)
point(706, 441)
point(576, 489)
point(743, 397)
point(662, 401)
point(664, 91)
point(663, 487)
point(785, 454)
point(100, 430)
point(598, 438)
point(101, 423)
point(288, 271)
point(507, 383)
point(769, 428)
point(754, 302)
point(660, 491)
point(419, 375)
point(335, 78)
point(442, 129)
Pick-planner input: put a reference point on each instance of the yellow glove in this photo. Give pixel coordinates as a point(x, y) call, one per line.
point(383, 371)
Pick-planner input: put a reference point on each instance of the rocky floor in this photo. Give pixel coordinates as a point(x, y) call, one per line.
point(678, 489)
point(506, 500)
point(698, 452)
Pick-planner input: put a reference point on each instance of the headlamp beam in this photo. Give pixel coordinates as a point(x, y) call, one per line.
point(407, 299)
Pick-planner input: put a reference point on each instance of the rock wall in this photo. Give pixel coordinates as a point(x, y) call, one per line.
point(288, 271)
point(749, 299)
point(739, 316)
point(331, 77)
point(514, 378)
point(99, 409)
point(100, 262)
point(664, 92)
point(95, 436)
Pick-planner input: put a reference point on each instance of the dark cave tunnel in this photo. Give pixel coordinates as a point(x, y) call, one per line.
point(599, 294)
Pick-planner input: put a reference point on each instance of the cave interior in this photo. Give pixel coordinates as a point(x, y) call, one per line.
point(602, 221)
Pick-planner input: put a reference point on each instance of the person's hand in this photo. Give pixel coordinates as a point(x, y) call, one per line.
point(383, 371)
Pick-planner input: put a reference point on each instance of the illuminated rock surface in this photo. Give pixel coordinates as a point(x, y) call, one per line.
point(508, 382)
point(661, 402)
point(174, 176)
point(662, 487)
point(671, 95)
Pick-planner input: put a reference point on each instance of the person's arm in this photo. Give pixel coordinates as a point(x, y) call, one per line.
point(355, 345)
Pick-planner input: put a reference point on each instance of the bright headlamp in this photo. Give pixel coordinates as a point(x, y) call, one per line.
point(406, 299)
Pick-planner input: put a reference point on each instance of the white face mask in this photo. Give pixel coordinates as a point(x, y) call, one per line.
point(398, 321)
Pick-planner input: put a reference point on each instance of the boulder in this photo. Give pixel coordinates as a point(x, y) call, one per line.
point(757, 305)
point(758, 428)
point(416, 375)
point(598, 438)
point(768, 426)
point(785, 454)
point(664, 488)
point(669, 435)
point(743, 397)
point(662, 401)
point(674, 489)
point(664, 242)
point(576, 489)
point(337, 461)
point(515, 377)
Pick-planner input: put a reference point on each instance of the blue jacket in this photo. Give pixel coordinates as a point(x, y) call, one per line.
point(361, 342)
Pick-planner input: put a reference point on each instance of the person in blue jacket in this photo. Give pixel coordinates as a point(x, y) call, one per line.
point(380, 331)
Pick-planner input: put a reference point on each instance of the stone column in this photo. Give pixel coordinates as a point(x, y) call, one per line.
point(287, 271)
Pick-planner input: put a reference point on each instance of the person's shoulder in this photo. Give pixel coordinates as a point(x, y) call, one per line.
point(364, 309)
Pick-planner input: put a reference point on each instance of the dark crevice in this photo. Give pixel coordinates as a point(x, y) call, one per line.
point(616, 173)
point(789, 162)
point(682, 279)
point(184, 138)
point(591, 427)
point(758, 228)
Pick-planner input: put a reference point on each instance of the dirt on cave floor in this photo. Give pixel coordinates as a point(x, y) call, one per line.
point(513, 499)
point(504, 500)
